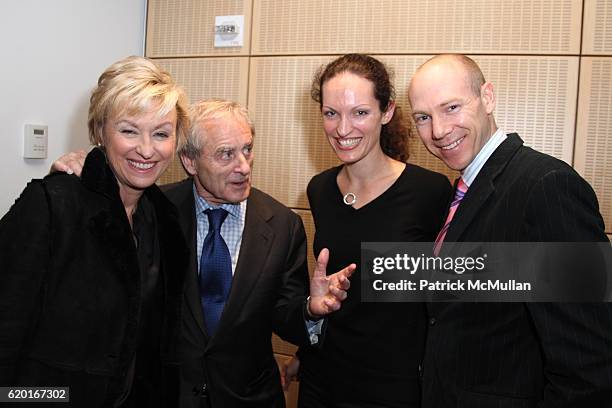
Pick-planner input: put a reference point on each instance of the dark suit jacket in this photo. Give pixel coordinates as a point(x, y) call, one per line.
point(236, 367)
point(70, 289)
point(521, 354)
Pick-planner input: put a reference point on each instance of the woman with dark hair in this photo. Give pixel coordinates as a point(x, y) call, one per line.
point(371, 352)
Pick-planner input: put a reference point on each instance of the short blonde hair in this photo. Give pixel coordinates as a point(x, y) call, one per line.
point(131, 85)
point(207, 110)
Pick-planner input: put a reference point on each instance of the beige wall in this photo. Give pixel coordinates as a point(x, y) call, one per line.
point(550, 60)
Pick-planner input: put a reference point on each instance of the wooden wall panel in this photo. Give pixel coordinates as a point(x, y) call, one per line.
point(282, 347)
point(290, 145)
point(185, 28)
point(536, 97)
point(292, 394)
point(593, 137)
point(175, 172)
point(416, 26)
point(309, 226)
point(205, 78)
point(597, 32)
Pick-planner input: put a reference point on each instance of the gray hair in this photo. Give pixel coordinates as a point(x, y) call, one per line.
point(204, 111)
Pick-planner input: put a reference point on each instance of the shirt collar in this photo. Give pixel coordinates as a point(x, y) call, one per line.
point(235, 210)
point(471, 171)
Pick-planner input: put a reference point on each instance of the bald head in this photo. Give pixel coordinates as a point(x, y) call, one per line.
point(452, 108)
point(472, 73)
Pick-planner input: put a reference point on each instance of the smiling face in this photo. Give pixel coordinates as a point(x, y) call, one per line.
point(453, 122)
point(139, 148)
point(222, 171)
point(352, 118)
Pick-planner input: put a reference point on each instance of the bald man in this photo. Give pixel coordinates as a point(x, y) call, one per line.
point(507, 354)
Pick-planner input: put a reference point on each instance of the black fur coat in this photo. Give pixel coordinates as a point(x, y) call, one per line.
point(70, 288)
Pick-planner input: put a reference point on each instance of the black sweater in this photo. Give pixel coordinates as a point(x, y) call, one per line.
point(375, 347)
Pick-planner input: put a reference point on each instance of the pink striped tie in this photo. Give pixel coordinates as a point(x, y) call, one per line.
point(459, 194)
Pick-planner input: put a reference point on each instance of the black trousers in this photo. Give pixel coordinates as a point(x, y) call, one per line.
point(320, 388)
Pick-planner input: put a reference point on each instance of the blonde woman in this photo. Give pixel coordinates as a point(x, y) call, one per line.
point(91, 268)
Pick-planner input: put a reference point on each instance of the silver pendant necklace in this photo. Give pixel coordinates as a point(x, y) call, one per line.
point(349, 198)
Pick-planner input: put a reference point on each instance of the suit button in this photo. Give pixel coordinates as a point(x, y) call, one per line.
point(432, 321)
point(201, 391)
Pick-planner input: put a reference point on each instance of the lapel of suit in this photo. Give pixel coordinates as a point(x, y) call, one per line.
point(187, 219)
point(480, 190)
point(257, 239)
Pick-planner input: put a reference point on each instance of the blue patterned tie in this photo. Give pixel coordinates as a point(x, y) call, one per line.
point(215, 270)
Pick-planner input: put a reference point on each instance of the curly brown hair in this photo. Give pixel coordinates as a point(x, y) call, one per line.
point(394, 135)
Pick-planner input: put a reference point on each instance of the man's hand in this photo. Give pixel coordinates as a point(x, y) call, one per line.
point(289, 372)
point(327, 292)
point(71, 163)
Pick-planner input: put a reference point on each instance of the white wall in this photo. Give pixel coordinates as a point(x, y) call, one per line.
point(51, 55)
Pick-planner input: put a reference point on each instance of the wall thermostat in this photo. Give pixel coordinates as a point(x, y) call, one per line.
point(229, 31)
point(35, 142)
